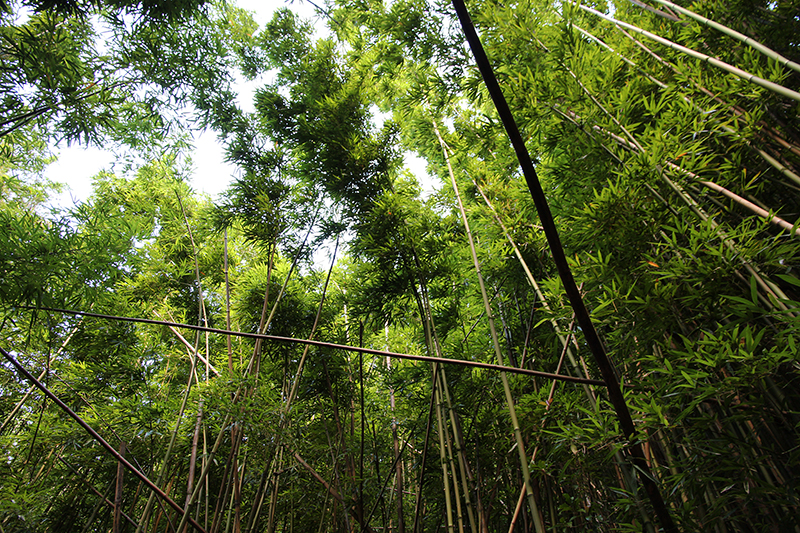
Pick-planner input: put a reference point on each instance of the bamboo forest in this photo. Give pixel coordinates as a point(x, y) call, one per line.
point(582, 316)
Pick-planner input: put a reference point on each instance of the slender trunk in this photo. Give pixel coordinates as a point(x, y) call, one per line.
point(117, 527)
point(498, 353)
point(401, 526)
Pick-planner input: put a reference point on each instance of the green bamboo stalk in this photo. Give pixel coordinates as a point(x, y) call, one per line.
point(498, 353)
point(204, 473)
point(460, 452)
point(734, 34)
point(431, 335)
point(454, 472)
point(737, 112)
point(766, 285)
point(227, 298)
point(564, 340)
point(164, 465)
point(443, 461)
point(738, 199)
point(752, 78)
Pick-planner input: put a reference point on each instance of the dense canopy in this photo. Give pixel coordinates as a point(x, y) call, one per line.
point(325, 348)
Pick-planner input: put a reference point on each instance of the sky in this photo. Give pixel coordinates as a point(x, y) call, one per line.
point(77, 165)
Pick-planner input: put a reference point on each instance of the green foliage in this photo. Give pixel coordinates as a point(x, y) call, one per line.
point(695, 295)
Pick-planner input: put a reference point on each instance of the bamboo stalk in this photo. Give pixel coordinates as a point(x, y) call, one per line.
point(737, 112)
point(401, 525)
point(96, 436)
point(421, 483)
point(164, 465)
point(443, 462)
point(752, 78)
point(117, 526)
point(396, 355)
point(734, 34)
point(227, 298)
point(458, 443)
point(44, 372)
point(498, 353)
point(551, 233)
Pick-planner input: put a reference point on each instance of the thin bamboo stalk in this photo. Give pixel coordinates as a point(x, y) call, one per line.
point(110, 449)
point(458, 443)
point(421, 482)
point(227, 297)
point(24, 398)
point(495, 342)
point(145, 518)
point(734, 34)
point(117, 526)
point(396, 355)
point(443, 462)
point(332, 491)
point(737, 112)
point(752, 78)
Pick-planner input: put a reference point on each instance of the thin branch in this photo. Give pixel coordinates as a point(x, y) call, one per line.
point(424, 358)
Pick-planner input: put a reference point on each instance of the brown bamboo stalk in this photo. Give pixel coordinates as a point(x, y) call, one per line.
point(193, 458)
point(396, 355)
point(95, 435)
point(117, 526)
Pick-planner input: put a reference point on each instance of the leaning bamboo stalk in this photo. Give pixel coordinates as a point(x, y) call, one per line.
point(301, 364)
point(767, 286)
point(401, 524)
point(730, 32)
point(145, 518)
point(738, 199)
point(27, 395)
point(92, 488)
point(266, 322)
point(425, 446)
point(738, 112)
point(752, 78)
point(780, 167)
point(333, 492)
point(117, 526)
point(210, 461)
point(96, 436)
point(498, 353)
point(563, 340)
point(658, 12)
point(227, 297)
point(254, 514)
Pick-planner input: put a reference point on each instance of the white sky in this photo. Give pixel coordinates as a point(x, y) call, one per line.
point(77, 165)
